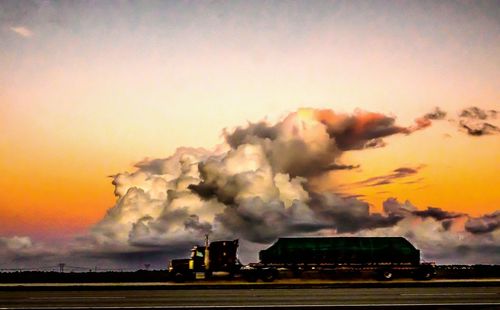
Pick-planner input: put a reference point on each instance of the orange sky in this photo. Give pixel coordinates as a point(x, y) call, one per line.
point(457, 173)
point(87, 92)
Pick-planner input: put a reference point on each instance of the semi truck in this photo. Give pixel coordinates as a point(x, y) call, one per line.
point(385, 257)
point(216, 256)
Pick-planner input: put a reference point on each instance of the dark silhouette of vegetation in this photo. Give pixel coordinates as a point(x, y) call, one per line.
point(443, 272)
point(83, 277)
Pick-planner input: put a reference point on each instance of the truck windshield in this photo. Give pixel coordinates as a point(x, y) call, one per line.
point(195, 253)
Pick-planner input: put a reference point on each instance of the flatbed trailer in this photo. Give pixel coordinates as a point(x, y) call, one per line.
point(268, 272)
point(385, 257)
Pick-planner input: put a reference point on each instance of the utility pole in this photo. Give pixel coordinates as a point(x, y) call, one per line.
point(208, 274)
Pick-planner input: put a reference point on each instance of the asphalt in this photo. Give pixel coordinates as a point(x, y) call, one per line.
point(235, 284)
point(255, 296)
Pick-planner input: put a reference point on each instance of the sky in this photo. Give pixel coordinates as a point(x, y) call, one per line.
point(95, 92)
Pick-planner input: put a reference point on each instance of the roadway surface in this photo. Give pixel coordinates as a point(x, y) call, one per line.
point(476, 297)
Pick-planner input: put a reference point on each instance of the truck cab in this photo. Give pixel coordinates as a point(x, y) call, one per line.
point(218, 256)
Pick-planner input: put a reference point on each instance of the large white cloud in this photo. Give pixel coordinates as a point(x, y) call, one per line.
point(255, 187)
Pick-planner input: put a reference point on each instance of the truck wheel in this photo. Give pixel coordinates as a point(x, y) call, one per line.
point(208, 274)
point(179, 277)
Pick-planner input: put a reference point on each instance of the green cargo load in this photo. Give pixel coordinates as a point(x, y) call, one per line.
point(341, 250)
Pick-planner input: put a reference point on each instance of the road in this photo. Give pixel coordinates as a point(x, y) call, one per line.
point(303, 298)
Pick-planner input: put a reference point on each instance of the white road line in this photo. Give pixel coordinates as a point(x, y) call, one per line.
point(445, 294)
point(77, 297)
point(266, 306)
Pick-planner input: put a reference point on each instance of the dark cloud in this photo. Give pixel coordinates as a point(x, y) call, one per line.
point(446, 224)
point(484, 224)
point(355, 131)
point(479, 129)
point(349, 215)
point(210, 190)
point(396, 174)
point(251, 134)
point(375, 143)
point(474, 121)
point(341, 167)
point(263, 223)
point(414, 181)
point(193, 223)
point(393, 206)
point(352, 196)
point(478, 113)
point(436, 114)
point(469, 254)
point(255, 220)
point(308, 142)
point(437, 213)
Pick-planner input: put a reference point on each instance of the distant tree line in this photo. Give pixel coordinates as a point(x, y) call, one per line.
point(83, 277)
point(443, 271)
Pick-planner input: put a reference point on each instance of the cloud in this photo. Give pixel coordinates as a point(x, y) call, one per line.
point(436, 114)
point(443, 236)
point(437, 213)
point(256, 187)
point(23, 252)
point(22, 31)
point(349, 215)
point(308, 141)
point(396, 174)
point(473, 120)
point(375, 143)
point(479, 129)
point(15, 243)
point(484, 224)
point(478, 113)
point(341, 167)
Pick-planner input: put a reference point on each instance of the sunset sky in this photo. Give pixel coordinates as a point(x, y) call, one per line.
point(88, 89)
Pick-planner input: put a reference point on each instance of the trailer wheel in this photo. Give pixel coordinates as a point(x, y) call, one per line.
point(426, 275)
point(386, 275)
point(268, 275)
point(423, 274)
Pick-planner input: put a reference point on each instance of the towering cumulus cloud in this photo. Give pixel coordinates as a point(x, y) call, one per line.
point(256, 187)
